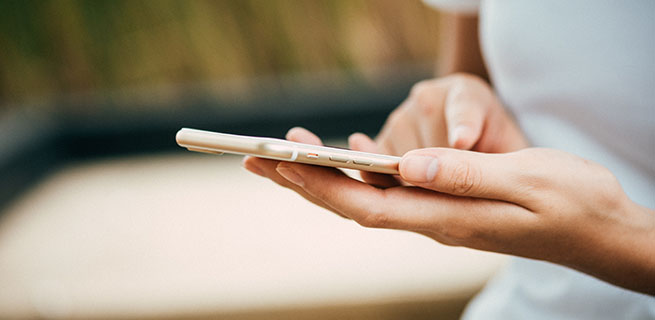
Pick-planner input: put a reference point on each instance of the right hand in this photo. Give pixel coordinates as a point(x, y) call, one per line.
point(459, 111)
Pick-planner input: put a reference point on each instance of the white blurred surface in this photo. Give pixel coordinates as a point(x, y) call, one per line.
point(187, 233)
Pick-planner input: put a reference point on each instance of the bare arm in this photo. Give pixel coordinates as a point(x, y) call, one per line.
point(460, 46)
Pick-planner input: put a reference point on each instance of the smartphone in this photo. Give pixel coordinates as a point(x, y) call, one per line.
point(278, 149)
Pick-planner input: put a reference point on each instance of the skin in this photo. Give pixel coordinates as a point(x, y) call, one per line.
point(468, 178)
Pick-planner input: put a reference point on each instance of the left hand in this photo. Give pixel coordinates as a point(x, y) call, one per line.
point(535, 203)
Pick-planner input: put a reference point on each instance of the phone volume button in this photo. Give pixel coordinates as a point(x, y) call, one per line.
point(338, 159)
point(362, 162)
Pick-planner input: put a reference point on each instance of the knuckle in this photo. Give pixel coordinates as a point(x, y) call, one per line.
point(603, 174)
point(420, 88)
point(395, 117)
point(459, 232)
point(531, 176)
point(423, 98)
point(610, 192)
point(375, 218)
point(461, 78)
point(426, 104)
point(463, 180)
point(465, 86)
point(467, 94)
point(532, 185)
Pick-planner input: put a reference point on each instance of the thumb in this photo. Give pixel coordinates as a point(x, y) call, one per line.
point(463, 173)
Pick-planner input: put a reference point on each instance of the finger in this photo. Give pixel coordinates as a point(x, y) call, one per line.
point(432, 130)
point(408, 208)
point(302, 135)
point(399, 134)
point(429, 100)
point(267, 168)
point(382, 139)
point(501, 134)
point(352, 198)
point(361, 142)
point(299, 134)
point(466, 109)
point(252, 164)
point(467, 173)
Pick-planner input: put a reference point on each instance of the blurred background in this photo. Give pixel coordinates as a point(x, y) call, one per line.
point(103, 216)
point(107, 77)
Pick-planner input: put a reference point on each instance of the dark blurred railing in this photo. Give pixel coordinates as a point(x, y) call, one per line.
point(83, 79)
point(117, 123)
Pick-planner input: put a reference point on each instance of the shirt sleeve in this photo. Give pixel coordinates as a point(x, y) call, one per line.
point(469, 7)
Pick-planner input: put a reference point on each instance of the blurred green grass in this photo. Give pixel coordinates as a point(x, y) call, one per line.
point(50, 49)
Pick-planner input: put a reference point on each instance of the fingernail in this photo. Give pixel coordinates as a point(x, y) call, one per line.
point(456, 134)
point(419, 168)
point(253, 168)
point(290, 175)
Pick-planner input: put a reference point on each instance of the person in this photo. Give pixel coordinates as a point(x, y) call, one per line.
point(553, 164)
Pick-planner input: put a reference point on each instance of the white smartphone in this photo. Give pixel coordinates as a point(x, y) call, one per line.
point(278, 149)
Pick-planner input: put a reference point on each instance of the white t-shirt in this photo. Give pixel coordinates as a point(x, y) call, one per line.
point(580, 77)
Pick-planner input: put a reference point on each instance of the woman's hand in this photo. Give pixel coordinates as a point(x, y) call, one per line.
point(459, 111)
point(535, 203)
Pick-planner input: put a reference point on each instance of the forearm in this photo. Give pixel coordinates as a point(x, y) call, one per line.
point(460, 46)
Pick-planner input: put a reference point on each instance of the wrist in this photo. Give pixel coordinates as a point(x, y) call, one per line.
point(621, 250)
